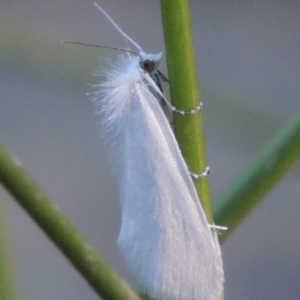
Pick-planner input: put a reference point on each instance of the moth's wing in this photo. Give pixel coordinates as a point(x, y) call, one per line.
point(164, 236)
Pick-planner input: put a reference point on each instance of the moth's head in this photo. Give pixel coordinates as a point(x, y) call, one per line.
point(150, 62)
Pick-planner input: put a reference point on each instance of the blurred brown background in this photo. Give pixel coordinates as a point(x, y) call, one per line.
point(248, 57)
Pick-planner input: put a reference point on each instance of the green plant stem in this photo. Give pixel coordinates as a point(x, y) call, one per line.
point(8, 288)
point(62, 232)
point(184, 91)
point(270, 165)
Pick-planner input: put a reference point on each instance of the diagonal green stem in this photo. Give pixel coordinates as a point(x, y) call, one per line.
point(249, 187)
point(8, 288)
point(62, 232)
point(184, 91)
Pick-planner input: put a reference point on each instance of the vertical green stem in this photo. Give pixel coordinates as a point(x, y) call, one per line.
point(184, 91)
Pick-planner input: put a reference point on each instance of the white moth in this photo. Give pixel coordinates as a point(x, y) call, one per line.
point(165, 237)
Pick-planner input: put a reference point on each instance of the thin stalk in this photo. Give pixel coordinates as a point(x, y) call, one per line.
point(97, 272)
point(184, 91)
point(8, 287)
point(253, 183)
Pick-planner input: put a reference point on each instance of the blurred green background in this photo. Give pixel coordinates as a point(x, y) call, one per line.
point(248, 55)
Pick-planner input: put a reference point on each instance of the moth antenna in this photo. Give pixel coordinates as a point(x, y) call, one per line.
point(98, 46)
point(118, 28)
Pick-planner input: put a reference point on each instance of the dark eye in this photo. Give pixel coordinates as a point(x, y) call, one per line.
point(147, 65)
